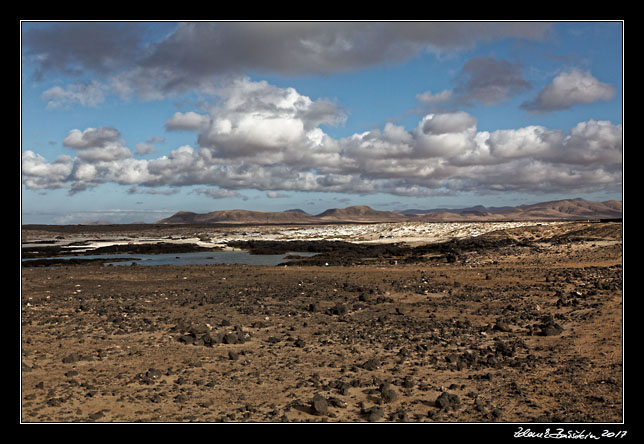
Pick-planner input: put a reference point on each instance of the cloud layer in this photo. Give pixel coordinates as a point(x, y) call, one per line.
point(194, 53)
point(259, 136)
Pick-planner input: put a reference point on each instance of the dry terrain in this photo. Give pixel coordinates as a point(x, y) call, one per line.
point(500, 323)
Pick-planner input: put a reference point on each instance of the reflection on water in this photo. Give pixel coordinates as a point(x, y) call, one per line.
point(197, 258)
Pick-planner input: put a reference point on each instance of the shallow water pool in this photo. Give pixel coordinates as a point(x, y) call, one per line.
point(197, 258)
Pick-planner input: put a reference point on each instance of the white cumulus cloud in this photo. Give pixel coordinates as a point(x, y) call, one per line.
point(190, 121)
point(262, 137)
point(574, 87)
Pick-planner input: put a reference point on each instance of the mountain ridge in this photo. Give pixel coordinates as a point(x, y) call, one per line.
point(565, 209)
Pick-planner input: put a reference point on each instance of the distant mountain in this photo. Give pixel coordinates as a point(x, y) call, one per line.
point(478, 210)
point(568, 209)
point(360, 213)
point(239, 216)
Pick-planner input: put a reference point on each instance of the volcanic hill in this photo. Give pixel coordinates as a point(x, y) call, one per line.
point(568, 209)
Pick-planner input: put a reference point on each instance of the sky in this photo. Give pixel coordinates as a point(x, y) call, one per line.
point(133, 121)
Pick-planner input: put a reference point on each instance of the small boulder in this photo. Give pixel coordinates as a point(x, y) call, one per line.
point(71, 358)
point(230, 338)
point(320, 405)
point(502, 326)
point(187, 338)
point(448, 400)
point(388, 394)
point(153, 373)
point(374, 413)
point(551, 329)
point(199, 329)
point(339, 310)
point(371, 364)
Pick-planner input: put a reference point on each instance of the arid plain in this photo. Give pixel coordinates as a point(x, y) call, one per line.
point(397, 322)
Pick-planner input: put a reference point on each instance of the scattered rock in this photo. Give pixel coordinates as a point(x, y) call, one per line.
point(371, 364)
point(96, 415)
point(200, 334)
point(373, 414)
point(71, 358)
point(338, 310)
point(54, 402)
point(504, 348)
point(342, 387)
point(153, 373)
point(315, 332)
point(502, 326)
point(550, 328)
point(199, 329)
point(448, 401)
point(387, 393)
point(188, 338)
point(230, 338)
point(336, 402)
point(399, 416)
point(210, 340)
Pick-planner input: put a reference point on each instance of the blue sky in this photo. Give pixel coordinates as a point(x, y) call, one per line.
point(133, 121)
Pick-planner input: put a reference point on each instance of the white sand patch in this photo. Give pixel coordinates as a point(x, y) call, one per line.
point(410, 233)
point(397, 232)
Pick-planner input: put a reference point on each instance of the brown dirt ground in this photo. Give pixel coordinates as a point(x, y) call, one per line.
point(378, 342)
